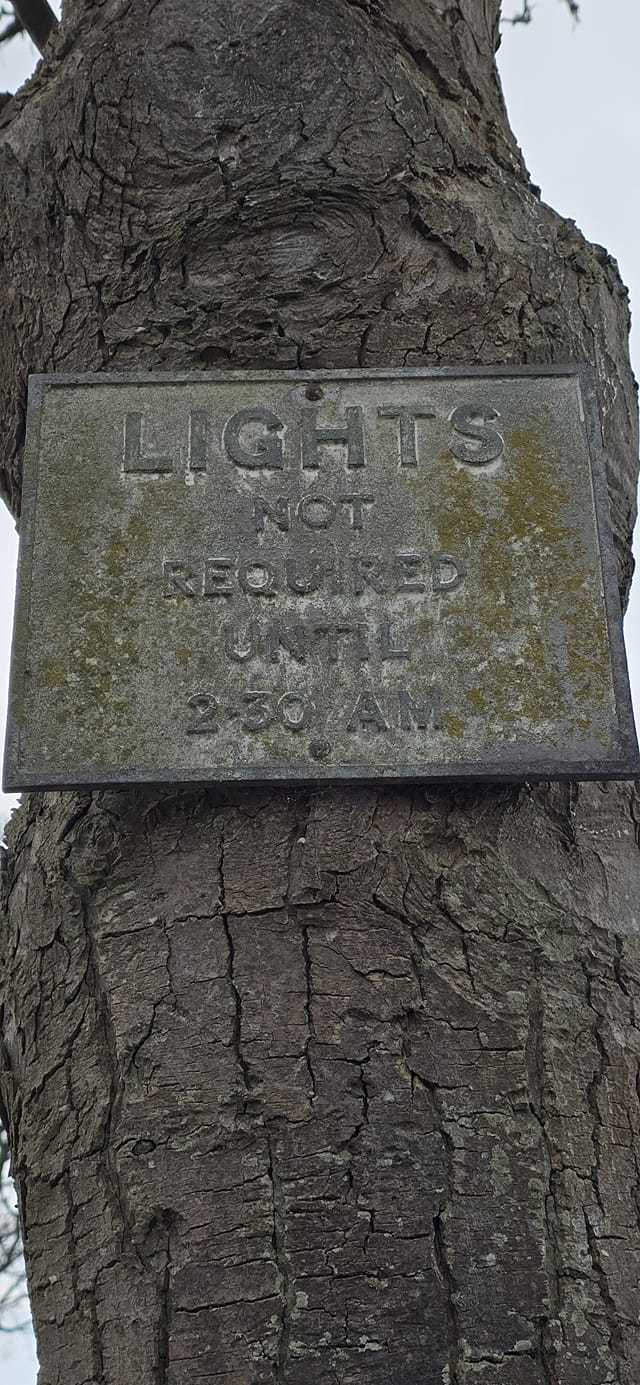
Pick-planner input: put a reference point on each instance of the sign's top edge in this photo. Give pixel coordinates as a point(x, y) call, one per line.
point(168, 377)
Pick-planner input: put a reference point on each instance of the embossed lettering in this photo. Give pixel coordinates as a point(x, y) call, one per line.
point(362, 650)
point(357, 504)
point(330, 634)
point(313, 437)
point(138, 455)
point(259, 578)
point(368, 572)
point(404, 570)
point(473, 441)
point(387, 648)
point(179, 580)
point(367, 712)
point(327, 639)
point(419, 714)
point(317, 511)
point(406, 415)
point(198, 430)
point(314, 511)
point(277, 510)
point(304, 575)
point(267, 452)
point(239, 645)
point(204, 708)
point(290, 710)
point(217, 580)
point(446, 572)
point(353, 574)
point(263, 713)
point(292, 638)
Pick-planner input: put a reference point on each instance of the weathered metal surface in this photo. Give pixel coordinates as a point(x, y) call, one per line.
point(401, 574)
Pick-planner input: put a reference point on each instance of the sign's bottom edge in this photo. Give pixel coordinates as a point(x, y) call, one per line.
point(440, 775)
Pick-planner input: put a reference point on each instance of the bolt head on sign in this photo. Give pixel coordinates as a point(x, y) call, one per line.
point(401, 574)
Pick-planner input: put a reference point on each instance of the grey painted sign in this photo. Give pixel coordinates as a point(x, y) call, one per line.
point(295, 576)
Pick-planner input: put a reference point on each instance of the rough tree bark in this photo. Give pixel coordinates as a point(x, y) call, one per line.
point(324, 1088)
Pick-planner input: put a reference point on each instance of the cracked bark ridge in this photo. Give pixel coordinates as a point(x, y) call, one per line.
point(328, 1088)
point(309, 1089)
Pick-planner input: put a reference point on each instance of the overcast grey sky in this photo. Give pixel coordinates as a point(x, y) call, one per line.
point(572, 94)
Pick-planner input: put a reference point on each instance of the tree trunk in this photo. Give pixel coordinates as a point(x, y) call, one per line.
point(333, 1087)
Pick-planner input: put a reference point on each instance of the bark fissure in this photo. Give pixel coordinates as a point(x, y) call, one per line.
point(164, 1318)
point(309, 1012)
point(450, 1287)
point(236, 1028)
point(614, 1325)
point(285, 1283)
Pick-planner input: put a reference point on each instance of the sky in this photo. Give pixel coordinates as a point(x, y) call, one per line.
point(574, 100)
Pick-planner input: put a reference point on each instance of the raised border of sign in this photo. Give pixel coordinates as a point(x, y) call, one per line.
point(512, 767)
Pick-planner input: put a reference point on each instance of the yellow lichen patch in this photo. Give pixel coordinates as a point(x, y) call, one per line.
point(138, 537)
point(533, 626)
point(533, 498)
point(97, 645)
point(588, 649)
point(54, 673)
point(424, 625)
point(453, 724)
point(452, 487)
point(116, 555)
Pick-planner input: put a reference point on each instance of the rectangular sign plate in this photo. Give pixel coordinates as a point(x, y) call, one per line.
point(401, 574)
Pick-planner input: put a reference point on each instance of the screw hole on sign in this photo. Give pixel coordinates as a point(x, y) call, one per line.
point(313, 392)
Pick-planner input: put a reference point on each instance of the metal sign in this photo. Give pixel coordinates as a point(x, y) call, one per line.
point(291, 576)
